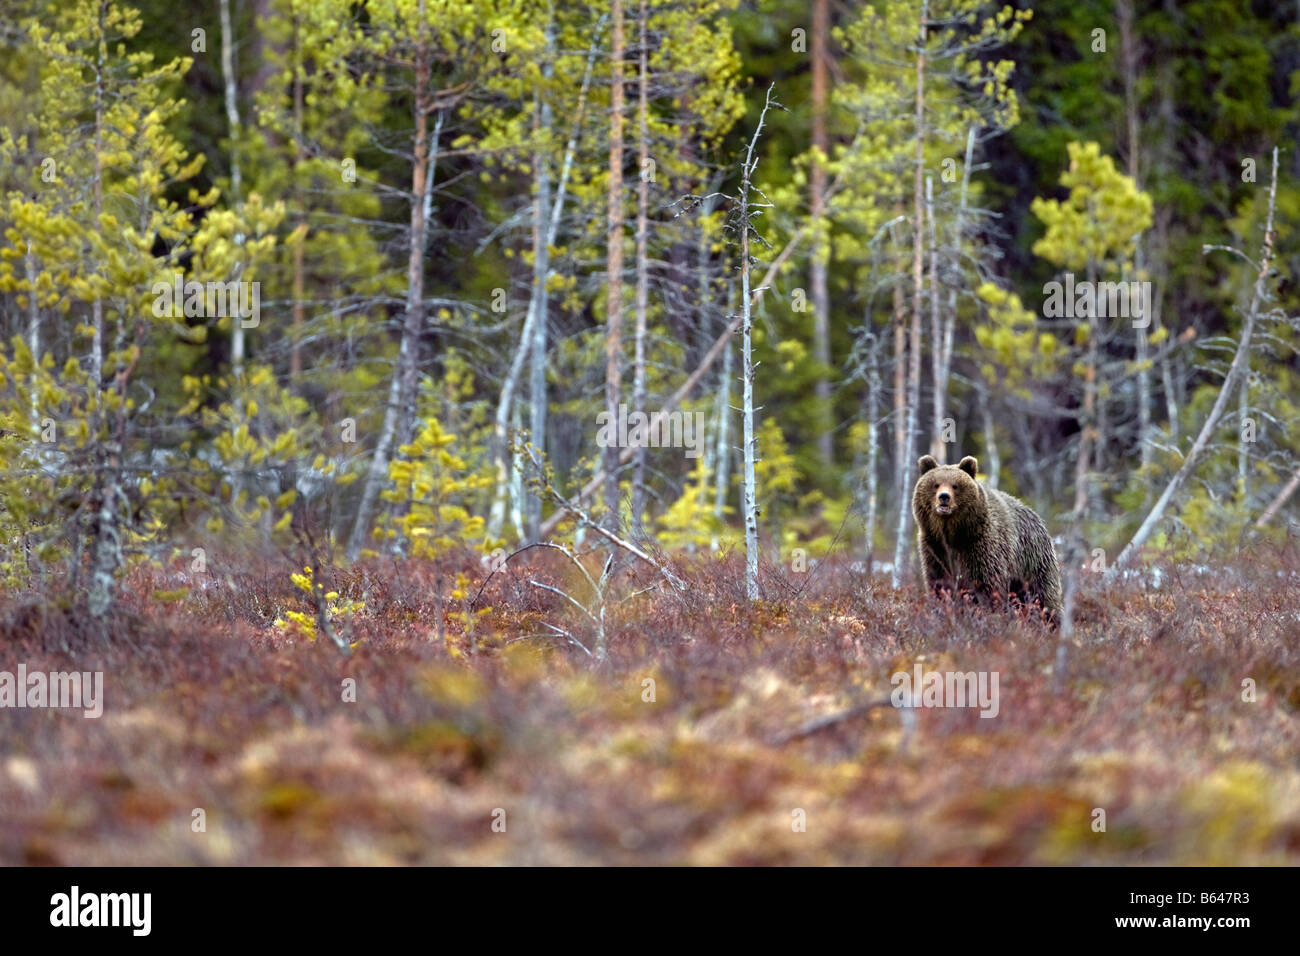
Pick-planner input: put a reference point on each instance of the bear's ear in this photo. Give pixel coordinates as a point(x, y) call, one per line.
point(926, 463)
point(970, 465)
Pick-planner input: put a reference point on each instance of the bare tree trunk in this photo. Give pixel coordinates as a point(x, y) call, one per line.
point(33, 322)
point(541, 271)
point(820, 292)
point(900, 388)
point(1171, 397)
point(1243, 446)
point(399, 416)
point(990, 439)
point(544, 226)
point(299, 157)
point(231, 94)
point(750, 497)
point(1074, 547)
point(1128, 58)
point(747, 413)
point(936, 329)
point(723, 457)
point(517, 492)
point(414, 326)
point(642, 263)
point(1129, 68)
point(106, 551)
point(944, 350)
point(614, 270)
point(229, 82)
point(97, 307)
point(873, 450)
point(506, 462)
point(901, 549)
point(1240, 361)
point(1144, 399)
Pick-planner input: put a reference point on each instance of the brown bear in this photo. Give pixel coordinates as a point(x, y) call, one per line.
point(980, 541)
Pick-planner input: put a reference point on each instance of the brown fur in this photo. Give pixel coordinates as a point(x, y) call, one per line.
point(988, 544)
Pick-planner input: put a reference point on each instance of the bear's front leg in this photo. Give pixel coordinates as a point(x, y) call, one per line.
point(938, 576)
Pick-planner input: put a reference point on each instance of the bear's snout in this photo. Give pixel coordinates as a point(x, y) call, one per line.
point(944, 499)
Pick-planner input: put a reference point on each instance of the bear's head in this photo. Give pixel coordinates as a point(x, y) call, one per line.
point(948, 498)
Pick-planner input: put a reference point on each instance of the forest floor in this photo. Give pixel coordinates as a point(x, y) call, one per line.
point(683, 747)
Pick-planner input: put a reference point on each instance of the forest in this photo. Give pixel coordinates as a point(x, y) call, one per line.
point(486, 431)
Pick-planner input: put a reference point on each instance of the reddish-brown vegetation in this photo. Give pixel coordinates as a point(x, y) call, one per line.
point(209, 706)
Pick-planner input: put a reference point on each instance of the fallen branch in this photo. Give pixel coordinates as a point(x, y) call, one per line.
point(839, 717)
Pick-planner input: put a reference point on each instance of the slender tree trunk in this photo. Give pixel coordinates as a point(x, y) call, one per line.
point(722, 457)
point(614, 269)
point(1079, 514)
point(936, 329)
point(900, 388)
point(230, 89)
point(414, 325)
point(1243, 446)
point(747, 403)
point(506, 462)
point(399, 417)
point(1074, 547)
point(750, 498)
point(1129, 68)
point(517, 492)
point(721, 475)
point(97, 306)
point(817, 180)
point(231, 95)
point(265, 66)
point(106, 546)
point(1166, 373)
point(642, 263)
point(944, 375)
point(1128, 58)
point(543, 232)
point(990, 439)
point(33, 322)
point(873, 451)
point(106, 552)
point(1144, 399)
point(541, 271)
point(1164, 136)
point(901, 549)
point(299, 268)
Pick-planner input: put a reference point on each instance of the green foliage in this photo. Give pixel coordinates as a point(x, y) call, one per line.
point(1017, 352)
point(690, 523)
point(304, 623)
point(433, 488)
point(1099, 224)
